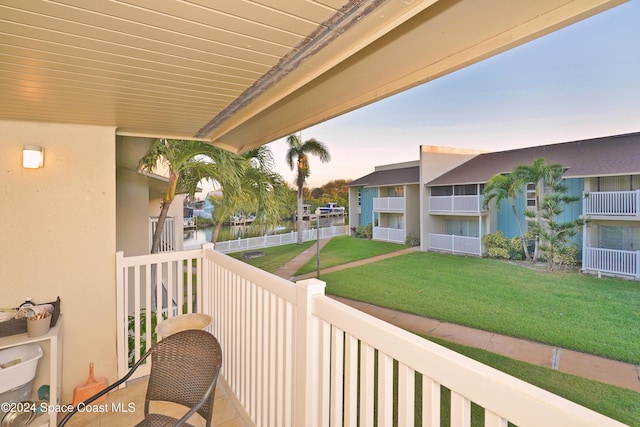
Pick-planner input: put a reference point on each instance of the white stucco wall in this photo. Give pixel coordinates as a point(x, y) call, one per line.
point(435, 161)
point(132, 196)
point(132, 218)
point(412, 209)
point(58, 236)
point(354, 208)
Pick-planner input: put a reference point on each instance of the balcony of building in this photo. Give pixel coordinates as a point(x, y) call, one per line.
point(451, 243)
point(293, 356)
point(389, 204)
point(614, 262)
point(456, 200)
point(616, 205)
point(387, 234)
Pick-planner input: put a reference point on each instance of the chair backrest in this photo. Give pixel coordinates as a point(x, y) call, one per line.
point(183, 367)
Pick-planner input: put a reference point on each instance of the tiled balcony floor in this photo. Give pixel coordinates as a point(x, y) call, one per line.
point(224, 411)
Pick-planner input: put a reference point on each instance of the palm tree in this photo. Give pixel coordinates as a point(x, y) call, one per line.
point(537, 173)
point(262, 191)
point(501, 187)
point(187, 164)
point(298, 155)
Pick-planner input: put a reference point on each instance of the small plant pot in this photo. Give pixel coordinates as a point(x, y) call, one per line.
point(38, 327)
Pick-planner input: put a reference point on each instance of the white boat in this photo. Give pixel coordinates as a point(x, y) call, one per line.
point(330, 208)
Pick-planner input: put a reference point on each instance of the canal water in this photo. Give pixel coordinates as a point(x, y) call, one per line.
point(195, 238)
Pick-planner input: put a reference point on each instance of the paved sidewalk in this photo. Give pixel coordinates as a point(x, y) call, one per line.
point(288, 270)
point(597, 368)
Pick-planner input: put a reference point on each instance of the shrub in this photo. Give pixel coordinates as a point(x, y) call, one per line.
point(497, 245)
point(203, 222)
point(364, 231)
point(412, 240)
point(566, 256)
point(131, 322)
point(515, 248)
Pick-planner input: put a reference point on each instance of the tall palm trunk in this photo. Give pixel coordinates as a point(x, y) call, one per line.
point(536, 250)
point(164, 210)
point(298, 151)
point(216, 231)
point(155, 248)
point(525, 247)
point(300, 219)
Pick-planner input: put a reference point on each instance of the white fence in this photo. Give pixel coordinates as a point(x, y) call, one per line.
point(279, 239)
point(395, 235)
point(611, 261)
point(455, 244)
point(294, 357)
point(614, 203)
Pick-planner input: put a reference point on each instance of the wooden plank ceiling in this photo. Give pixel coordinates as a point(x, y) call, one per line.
point(242, 73)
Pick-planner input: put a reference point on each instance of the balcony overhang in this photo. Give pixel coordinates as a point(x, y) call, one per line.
point(239, 75)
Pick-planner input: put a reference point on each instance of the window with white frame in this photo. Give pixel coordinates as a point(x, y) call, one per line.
point(398, 191)
point(442, 190)
point(619, 237)
point(463, 227)
point(531, 195)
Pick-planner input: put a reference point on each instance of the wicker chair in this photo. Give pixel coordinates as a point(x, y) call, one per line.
point(184, 370)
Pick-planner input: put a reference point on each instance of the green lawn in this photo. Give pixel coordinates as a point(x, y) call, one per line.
point(618, 403)
point(598, 316)
point(274, 257)
point(574, 311)
point(344, 249)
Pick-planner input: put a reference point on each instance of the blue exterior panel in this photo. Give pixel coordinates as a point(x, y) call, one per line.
point(366, 205)
point(574, 209)
point(507, 222)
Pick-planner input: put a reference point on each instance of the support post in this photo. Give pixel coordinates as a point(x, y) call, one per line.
point(306, 354)
point(122, 346)
point(204, 285)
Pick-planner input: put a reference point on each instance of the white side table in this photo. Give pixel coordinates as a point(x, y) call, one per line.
point(49, 367)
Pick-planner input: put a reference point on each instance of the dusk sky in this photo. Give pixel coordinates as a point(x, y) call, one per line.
point(579, 82)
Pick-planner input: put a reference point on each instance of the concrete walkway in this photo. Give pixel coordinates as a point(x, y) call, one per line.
point(596, 368)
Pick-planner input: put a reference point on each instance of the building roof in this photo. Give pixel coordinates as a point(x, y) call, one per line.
point(605, 156)
point(240, 74)
point(399, 176)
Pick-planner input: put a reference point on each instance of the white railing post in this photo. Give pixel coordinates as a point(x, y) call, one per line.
point(121, 314)
point(204, 288)
point(588, 199)
point(306, 355)
point(637, 263)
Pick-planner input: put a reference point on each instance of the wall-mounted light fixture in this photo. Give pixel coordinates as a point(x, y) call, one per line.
point(32, 157)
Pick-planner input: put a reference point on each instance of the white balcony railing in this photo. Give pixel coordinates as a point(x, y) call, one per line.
point(167, 238)
point(611, 261)
point(388, 204)
point(456, 204)
point(614, 203)
point(294, 357)
point(395, 235)
point(455, 244)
